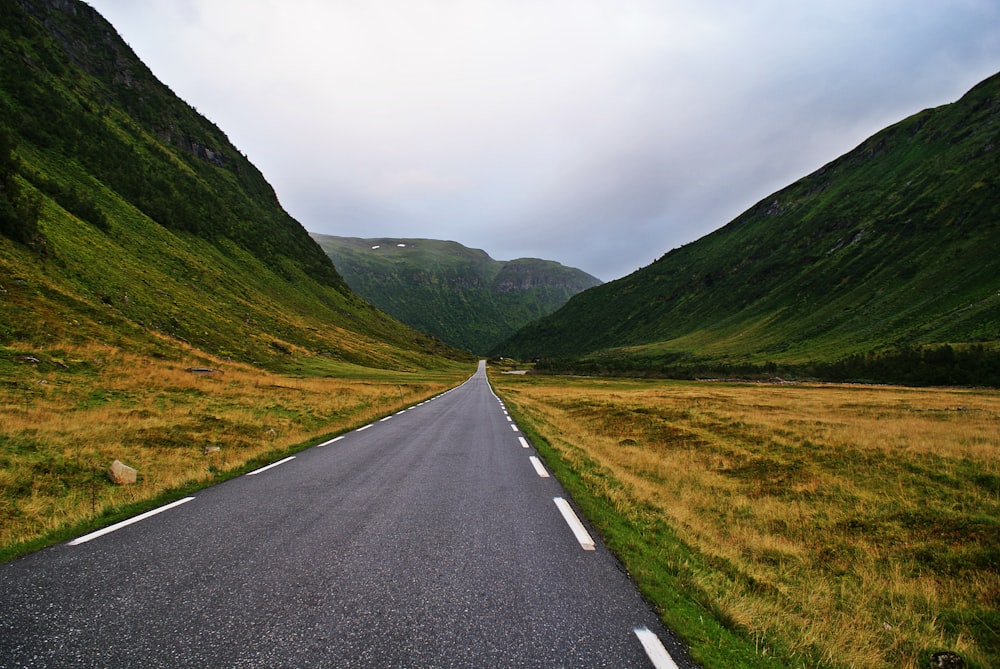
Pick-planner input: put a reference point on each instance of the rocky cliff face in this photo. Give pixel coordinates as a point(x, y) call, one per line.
point(528, 273)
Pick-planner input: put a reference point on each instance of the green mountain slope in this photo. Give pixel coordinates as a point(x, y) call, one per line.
point(459, 294)
point(127, 218)
point(890, 247)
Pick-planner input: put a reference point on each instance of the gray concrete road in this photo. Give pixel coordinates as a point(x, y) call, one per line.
point(428, 539)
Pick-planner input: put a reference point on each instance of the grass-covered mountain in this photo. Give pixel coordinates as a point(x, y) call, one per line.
point(459, 294)
point(128, 218)
point(879, 262)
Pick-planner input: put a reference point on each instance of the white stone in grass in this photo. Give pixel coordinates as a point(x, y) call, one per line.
point(121, 473)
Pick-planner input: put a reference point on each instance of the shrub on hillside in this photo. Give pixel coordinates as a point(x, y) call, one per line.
point(18, 211)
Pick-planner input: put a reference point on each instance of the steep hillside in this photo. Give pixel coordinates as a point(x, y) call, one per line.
point(891, 247)
point(459, 294)
point(127, 218)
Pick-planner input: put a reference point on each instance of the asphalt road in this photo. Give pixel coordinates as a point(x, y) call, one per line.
point(428, 539)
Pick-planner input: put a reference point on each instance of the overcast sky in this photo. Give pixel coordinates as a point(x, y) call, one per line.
point(599, 133)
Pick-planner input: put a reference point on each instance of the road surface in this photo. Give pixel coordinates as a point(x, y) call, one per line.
point(431, 538)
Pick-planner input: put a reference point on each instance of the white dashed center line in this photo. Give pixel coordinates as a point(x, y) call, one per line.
point(579, 531)
point(524, 442)
point(327, 443)
point(362, 429)
point(514, 427)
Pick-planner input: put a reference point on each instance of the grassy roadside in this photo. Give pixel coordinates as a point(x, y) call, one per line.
point(655, 558)
point(183, 423)
point(785, 525)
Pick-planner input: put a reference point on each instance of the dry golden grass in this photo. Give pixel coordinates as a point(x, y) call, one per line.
point(849, 526)
point(66, 415)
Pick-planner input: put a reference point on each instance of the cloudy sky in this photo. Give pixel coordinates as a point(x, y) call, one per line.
point(599, 133)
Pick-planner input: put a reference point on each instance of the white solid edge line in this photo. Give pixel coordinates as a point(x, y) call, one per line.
point(539, 468)
point(362, 429)
point(125, 523)
point(651, 643)
point(579, 531)
point(327, 443)
point(273, 464)
point(524, 442)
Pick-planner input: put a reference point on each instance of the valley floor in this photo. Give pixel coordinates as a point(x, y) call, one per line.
point(183, 423)
point(789, 525)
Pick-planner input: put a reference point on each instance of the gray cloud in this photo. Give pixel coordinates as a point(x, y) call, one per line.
point(598, 133)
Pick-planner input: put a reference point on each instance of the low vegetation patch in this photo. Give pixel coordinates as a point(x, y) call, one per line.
point(785, 524)
point(67, 413)
point(935, 365)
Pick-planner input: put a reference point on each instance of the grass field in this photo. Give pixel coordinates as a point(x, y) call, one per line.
point(790, 525)
point(67, 413)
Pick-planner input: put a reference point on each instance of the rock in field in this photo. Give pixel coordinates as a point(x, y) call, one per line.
point(121, 473)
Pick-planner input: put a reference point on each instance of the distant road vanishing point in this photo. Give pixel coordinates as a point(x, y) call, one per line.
point(431, 538)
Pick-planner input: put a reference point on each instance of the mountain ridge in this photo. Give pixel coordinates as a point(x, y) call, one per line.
point(454, 292)
point(888, 247)
point(129, 217)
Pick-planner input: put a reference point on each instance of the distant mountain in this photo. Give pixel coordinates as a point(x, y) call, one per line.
point(128, 218)
point(860, 266)
point(459, 294)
